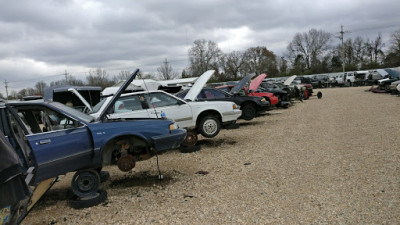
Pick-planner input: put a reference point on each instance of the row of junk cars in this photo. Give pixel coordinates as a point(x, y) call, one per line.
point(381, 80)
point(83, 129)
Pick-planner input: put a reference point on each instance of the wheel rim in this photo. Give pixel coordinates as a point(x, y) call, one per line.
point(210, 126)
point(85, 183)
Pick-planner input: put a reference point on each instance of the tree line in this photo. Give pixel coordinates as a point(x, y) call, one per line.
point(308, 53)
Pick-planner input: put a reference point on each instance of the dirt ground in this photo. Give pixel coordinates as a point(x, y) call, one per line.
point(334, 160)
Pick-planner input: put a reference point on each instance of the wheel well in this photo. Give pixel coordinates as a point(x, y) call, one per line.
point(208, 113)
point(248, 103)
point(133, 144)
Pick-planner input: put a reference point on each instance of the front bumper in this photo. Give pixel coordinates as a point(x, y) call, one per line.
point(169, 141)
point(231, 116)
point(263, 107)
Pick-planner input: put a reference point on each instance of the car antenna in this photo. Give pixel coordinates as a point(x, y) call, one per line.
point(148, 92)
point(160, 176)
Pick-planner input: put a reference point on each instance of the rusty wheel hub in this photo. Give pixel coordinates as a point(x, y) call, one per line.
point(191, 138)
point(126, 163)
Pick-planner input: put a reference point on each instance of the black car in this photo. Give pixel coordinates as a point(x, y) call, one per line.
point(250, 105)
point(283, 95)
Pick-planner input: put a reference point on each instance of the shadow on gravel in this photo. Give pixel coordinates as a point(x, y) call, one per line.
point(215, 143)
point(143, 179)
point(247, 123)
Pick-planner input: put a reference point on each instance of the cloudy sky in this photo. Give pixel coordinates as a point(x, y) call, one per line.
point(41, 39)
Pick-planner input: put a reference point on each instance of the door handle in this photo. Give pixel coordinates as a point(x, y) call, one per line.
point(43, 142)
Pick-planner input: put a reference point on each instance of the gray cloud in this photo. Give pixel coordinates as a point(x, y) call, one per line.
point(47, 37)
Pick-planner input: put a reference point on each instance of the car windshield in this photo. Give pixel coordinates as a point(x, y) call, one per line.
point(98, 106)
point(80, 115)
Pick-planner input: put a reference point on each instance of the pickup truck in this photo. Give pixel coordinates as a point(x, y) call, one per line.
point(66, 140)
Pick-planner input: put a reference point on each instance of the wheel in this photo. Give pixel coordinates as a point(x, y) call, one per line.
point(248, 112)
point(387, 87)
point(191, 138)
point(85, 183)
point(319, 94)
point(209, 126)
point(85, 202)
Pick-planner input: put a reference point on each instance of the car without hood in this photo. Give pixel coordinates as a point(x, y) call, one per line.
point(66, 140)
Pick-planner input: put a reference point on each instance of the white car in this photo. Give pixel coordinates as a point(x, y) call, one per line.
point(205, 118)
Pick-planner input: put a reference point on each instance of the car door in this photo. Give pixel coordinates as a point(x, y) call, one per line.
point(130, 106)
point(173, 108)
point(60, 144)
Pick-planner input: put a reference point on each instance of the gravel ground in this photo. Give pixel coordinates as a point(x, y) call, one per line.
point(334, 160)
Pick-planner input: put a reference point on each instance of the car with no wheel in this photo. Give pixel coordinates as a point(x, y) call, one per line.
point(66, 140)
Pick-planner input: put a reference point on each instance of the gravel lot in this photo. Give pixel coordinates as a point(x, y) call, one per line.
point(334, 160)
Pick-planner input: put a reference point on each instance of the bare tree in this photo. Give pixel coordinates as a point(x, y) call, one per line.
point(203, 56)
point(166, 72)
point(312, 46)
point(233, 64)
point(99, 77)
point(260, 60)
point(40, 86)
point(123, 75)
point(393, 57)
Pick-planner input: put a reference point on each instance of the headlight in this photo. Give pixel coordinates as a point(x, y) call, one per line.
point(263, 100)
point(234, 106)
point(173, 126)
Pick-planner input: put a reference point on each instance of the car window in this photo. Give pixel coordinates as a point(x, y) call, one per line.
point(159, 99)
point(212, 93)
point(130, 103)
point(42, 119)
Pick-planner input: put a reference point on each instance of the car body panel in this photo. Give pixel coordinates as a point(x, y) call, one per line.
point(255, 83)
point(236, 89)
point(53, 149)
point(185, 114)
point(198, 85)
point(209, 95)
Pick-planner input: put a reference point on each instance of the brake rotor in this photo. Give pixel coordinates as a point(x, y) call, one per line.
point(191, 138)
point(126, 163)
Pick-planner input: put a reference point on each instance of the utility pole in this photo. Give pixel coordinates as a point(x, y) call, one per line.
point(341, 38)
point(6, 85)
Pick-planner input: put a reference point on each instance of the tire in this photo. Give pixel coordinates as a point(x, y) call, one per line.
point(248, 112)
point(85, 183)
point(319, 95)
point(209, 126)
point(81, 203)
point(387, 87)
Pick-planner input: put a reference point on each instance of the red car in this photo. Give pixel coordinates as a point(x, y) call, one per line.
point(252, 90)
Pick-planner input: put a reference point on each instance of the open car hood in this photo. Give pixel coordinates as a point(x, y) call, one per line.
point(198, 85)
point(289, 80)
point(117, 94)
point(241, 84)
point(255, 83)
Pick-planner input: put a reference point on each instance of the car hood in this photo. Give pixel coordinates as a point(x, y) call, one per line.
point(289, 80)
point(255, 83)
point(117, 95)
point(241, 84)
point(198, 85)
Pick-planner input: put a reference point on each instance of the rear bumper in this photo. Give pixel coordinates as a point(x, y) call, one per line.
point(169, 141)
